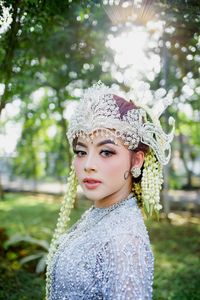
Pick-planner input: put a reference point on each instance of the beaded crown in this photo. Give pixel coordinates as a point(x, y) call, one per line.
point(98, 112)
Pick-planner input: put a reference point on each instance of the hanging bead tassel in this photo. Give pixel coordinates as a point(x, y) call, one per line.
point(66, 206)
point(137, 190)
point(151, 183)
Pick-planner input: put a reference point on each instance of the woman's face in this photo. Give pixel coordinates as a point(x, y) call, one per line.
point(100, 166)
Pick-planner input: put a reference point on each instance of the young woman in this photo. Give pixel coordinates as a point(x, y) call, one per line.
point(118, 157)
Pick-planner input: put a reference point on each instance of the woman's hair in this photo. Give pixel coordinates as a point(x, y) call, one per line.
point(124, 107)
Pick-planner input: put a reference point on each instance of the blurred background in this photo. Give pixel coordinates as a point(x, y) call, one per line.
point(50, 51)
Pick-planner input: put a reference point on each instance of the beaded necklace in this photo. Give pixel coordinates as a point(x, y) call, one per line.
point(99, 214)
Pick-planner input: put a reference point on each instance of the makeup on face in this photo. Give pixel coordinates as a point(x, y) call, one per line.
point(91, 185)
point(100, 165)
point(104, 142)
point(81, 151)
point(107, 151)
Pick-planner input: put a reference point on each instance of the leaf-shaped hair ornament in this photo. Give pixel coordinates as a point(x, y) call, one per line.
point(151, 133)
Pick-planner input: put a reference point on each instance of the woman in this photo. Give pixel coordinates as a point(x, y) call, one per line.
point(118, 158)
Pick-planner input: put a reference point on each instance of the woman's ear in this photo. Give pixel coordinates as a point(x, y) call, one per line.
point(137, 159)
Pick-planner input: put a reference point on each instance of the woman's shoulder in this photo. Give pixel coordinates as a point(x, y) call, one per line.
point(125, 222)
point(126, 242)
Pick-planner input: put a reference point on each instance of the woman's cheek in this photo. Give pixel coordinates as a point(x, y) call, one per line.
point(112, 166)
point(77, 167)
point(116, 166)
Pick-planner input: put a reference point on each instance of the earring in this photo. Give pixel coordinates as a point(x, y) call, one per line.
point(136, 172)
point(126, 175)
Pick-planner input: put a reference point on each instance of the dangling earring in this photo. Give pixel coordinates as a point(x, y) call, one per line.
point(136, 172)
point(126, 174)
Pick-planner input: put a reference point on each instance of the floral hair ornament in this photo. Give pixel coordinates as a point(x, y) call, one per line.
point(62, 223)
point(154, 104)
point(151, 132)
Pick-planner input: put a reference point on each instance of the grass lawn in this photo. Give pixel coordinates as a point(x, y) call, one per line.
point(175, 245)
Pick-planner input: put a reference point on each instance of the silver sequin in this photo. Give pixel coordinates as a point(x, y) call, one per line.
point(105, 256)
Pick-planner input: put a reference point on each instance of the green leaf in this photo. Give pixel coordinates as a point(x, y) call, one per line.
point(18, 238)
point(31, 257)
point(41, 265)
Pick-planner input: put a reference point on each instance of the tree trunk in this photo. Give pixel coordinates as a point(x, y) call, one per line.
point(165, 201)
point(2, 195)
point(64, 129)
point(182, 156)
point(7, 63)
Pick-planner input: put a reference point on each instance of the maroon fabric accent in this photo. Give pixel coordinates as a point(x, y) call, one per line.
point(124, 107)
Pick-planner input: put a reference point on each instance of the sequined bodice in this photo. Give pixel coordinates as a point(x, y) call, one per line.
point(105, 256)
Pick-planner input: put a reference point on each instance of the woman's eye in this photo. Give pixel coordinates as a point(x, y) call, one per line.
point(106, 153)
point(79, 153)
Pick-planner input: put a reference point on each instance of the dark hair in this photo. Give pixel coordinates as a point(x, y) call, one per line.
point(124, 107)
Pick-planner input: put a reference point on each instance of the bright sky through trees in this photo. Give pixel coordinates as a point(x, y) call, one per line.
point(135, 36)
point(133, 54)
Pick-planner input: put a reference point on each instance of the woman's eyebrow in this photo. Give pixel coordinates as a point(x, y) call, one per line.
point(81, 144)
point(99, 144)
point(106, 142)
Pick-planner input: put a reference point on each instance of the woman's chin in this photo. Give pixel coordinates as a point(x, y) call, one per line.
point(93, 195)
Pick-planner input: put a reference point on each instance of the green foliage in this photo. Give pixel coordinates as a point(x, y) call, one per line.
point(56, 46)
point(40, 154)
point(39, 255)
point(30, 214)
point(176, 182)
point(59, 46)
point(19, 284)
point(176, 259)
point(190, 128)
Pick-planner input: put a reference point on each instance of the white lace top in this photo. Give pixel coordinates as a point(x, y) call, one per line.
point(105, 256)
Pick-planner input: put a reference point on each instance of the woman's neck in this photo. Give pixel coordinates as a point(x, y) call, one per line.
point(111, 199)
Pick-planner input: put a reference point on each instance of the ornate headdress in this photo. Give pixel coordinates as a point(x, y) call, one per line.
point(98, 114)
point(98, 111)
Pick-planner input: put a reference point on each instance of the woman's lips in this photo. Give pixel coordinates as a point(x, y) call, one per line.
point(91, 183)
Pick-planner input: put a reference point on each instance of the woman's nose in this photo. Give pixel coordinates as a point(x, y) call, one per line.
point(90, 164)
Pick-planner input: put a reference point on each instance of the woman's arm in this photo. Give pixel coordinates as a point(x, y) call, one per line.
point(127, 269)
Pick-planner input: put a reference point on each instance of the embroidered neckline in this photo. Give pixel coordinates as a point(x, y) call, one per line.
point(113, 206)
point(95, 214)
